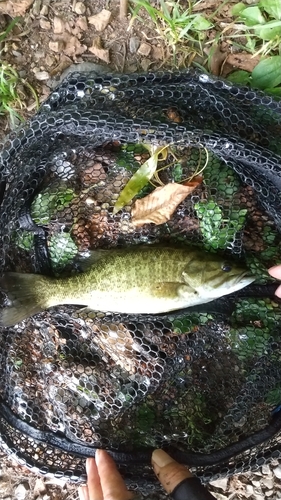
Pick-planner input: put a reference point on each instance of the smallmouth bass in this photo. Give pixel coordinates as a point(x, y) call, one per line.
point(141, 280)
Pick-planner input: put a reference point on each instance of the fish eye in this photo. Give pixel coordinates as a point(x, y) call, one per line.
point(226, 267)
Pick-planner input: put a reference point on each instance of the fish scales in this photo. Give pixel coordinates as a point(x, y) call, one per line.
point(140, 280)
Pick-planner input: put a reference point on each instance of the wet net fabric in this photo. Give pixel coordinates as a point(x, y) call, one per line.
point(197, 382)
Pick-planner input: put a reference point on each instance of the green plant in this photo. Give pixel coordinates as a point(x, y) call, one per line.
point(260, 24)
point(182, 30)
point(11, 95)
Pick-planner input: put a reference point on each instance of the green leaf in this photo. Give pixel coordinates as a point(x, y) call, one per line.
point(268, 31)
point(272, 7)
point(267, 73)
point(252, 16)
point(238, 8)
point(200, 23)
point(140, 178)
point(240, 76)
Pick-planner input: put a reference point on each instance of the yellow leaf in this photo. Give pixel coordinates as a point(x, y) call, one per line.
point(159, 206)
point(140, 178)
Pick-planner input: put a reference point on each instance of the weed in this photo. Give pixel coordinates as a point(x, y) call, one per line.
point(182, 30)
point(11, 96)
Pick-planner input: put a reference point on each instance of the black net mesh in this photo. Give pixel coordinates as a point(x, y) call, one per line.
point(203, 383)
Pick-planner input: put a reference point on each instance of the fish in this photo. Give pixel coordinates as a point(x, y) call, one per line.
point(139, 280)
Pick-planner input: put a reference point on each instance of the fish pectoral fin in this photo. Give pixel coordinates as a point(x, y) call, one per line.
point(172, 290)
point(191, 282)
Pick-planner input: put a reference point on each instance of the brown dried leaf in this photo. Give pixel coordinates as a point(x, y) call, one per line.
point(15, 7)
point(159, 206)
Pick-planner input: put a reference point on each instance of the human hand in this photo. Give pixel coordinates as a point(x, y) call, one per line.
point(275, 272)
point(104, 480)
point(106, 483)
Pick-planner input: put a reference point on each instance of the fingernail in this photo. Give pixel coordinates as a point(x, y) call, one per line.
point(161, 458)
point(89, 464)
point(99, 455)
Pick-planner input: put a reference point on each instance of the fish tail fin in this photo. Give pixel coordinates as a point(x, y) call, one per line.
point(22, 291)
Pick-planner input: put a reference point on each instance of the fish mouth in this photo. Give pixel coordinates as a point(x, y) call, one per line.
point(246, 276)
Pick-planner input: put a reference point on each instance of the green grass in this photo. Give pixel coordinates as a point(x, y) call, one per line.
point(12, 87)
point(186, 33)
point(176, 26)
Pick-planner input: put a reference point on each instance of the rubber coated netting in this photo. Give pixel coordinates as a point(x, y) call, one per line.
point(202, 383)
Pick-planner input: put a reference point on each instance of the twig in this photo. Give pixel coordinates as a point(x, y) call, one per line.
point(123, 9)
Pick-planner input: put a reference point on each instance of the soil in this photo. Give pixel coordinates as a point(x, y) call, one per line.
point(50, 37)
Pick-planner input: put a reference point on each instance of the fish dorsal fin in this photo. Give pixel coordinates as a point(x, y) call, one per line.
point(94, 257)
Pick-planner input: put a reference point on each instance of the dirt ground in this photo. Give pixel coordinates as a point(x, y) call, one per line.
point(49, 38)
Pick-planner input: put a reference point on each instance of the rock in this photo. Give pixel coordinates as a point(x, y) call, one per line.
point(266, 469)
point(157, 53)
point(249, 490)
point(81, 23)
point(41, 75)
point(268, 482)
point(220, 483)
point(44, 24)
point(73, 47)
point(56, 46)
point(21, 491)
point(44, 11)
point(258, 496)
point(134, 44)
point(100, 20)
point(144, 49)
point(98, 51)
point(277, 472)
point(58, 25)
point(269, 493)
point(39, 487)
point(145, 63)
point(80, 8)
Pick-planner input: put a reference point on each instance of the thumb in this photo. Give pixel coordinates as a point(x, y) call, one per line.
point(177, 480)
point(169, 472)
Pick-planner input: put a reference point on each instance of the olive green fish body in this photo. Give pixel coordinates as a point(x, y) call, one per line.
point(141, 280)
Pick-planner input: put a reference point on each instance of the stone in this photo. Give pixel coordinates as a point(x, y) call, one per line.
point(220, 483)
point(80, 8)
point(268, 482)
point(134, 44)
point(277, 472)
point(81, 23)
point(21, 491)
point(41, 75)
point(249, 490)
point(266, 469)
point(98, 51)
point(144, 49)
point(100, 20)
point(56, 46)
point(44, 24)
point(58, 25)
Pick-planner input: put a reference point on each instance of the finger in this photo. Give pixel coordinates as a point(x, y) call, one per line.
point(93, 480)
point(83, 493)
point(169, 472)
point(278, 292)
point(113, 486)
point(275, 271)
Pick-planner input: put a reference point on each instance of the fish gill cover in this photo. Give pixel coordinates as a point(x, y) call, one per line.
point(120, 162)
